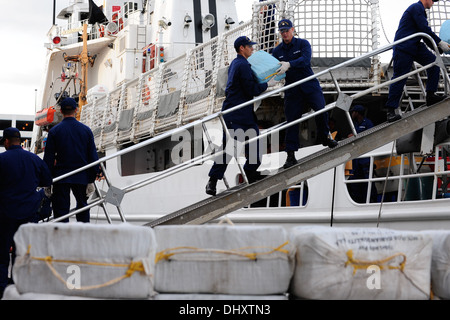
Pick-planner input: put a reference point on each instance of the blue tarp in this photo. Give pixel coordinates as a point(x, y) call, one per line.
point(444, 33)
point(264, 66)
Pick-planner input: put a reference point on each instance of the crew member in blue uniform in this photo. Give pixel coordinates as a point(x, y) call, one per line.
point(295, 58)
point(360, 121)
point(360, 166)
point(21, 173)
point(70, 146)
point(241, 87)
point(414, 20)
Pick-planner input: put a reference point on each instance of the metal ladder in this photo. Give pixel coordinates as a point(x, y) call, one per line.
point(243, 195)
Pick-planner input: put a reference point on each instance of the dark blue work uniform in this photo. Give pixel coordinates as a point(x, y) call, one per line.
point(360, 170)
point(21, 172)
point(414, 20)
point(70, 145)
point(363, 125)
point(241, 87)
point(296, 99)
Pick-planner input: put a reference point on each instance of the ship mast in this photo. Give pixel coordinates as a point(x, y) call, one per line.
point(84, 59)
point(84, 75)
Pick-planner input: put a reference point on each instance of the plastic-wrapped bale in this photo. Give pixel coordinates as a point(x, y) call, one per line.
point(78, 259)
point(361, 263)
point(264, 66)
point(444, 32)
point(440, 263)
point(11, 293)
point(217, 259)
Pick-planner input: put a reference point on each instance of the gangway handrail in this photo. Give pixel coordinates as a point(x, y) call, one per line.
point(307, 167)
point(276, 128)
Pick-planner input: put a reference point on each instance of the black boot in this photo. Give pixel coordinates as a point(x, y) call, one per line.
point(211, 186)
point(391, 116)
point(253, 176)
point(328, 141)
point(290, 161)
point(433, 98)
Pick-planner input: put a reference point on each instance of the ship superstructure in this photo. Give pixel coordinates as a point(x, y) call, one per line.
point(158, 73)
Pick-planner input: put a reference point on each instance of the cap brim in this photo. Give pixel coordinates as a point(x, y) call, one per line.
point(283, 29)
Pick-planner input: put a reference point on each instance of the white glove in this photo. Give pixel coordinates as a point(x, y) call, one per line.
point(272, 82)
point(444, 46)
point(284, 67)
point(90, 188)
point(48, 191)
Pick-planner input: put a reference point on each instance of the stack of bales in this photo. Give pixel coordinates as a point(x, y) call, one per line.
point(85, 261)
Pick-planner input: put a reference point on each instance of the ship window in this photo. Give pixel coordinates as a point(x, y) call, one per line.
point(24, 125)
point(5, 124)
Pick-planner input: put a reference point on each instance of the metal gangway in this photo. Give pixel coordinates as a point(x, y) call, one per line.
point(244, 194)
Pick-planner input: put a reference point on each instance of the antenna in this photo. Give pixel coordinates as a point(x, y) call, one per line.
point(54, 12)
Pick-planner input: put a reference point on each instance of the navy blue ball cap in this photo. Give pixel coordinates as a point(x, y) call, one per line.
point(10, 133)
point(68, 104)
point(285, 24)
point(243, 41)
point(358, 108)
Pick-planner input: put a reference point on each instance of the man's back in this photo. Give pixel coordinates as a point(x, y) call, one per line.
point(413, 20)
point(241, 87)
point(70, 145)
point(21, 173)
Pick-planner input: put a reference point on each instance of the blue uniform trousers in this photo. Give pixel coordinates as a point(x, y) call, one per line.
point(8, 227)
point(403, 62)
point(61, 200)
point(253, 161)
point(295, 102)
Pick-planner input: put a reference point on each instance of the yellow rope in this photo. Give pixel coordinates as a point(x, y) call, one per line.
point(273, 74)
point(132, 267)
point(168, 253)
point(360, 264)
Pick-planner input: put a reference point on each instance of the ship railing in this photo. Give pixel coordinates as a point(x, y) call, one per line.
point(393, 179)
point(437, 15)
point(405, 177)
point(344, 102)
point(181, 90)
point(337, 31)
point(193, 84)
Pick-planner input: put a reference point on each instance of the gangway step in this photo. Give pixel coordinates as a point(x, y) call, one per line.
point(243, 195)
